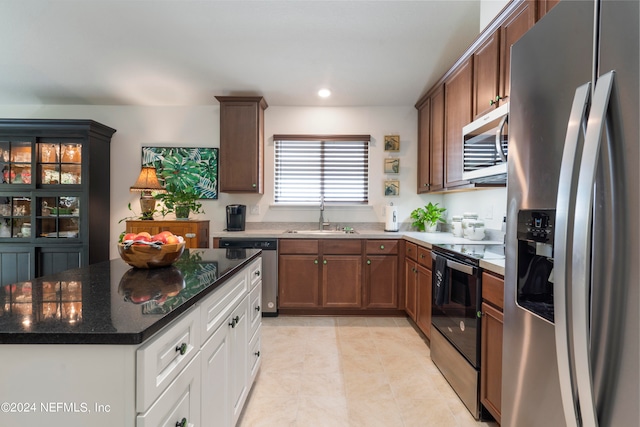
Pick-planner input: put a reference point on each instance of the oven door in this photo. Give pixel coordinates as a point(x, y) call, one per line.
point(457, 314)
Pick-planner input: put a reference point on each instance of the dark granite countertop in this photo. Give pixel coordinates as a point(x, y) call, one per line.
point(111, 302)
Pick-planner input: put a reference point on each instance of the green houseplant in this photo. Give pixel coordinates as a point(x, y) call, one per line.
point(181, 202)
point(427, 218)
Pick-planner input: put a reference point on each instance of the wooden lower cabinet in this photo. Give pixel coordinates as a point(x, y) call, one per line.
point(338, 274)
point(381, 278)
point(491, 344)
point(423, 306)
point(342, 281)
point(195, 232)
point(411, 283)
point(298, 281)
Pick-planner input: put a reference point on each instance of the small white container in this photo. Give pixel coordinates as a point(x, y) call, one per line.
point(467, 217)
point(475, 230)
point(456, 225)
point(26, 230)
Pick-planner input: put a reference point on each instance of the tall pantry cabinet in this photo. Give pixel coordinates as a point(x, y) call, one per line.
point(54, 196)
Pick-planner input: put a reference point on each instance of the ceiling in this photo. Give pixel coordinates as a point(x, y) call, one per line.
point(185, 52)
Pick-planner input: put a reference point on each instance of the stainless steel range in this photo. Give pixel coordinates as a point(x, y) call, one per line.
point(456, 316)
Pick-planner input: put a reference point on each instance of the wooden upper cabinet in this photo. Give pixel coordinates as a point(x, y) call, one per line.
point(241, 144)
point(458, 107)
point(437, 139)
point(424, 146)
point(544, 6)
point(515, 26)
point(485, 75)
point(431, 141)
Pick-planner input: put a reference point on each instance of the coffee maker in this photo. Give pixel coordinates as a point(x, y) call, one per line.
point(236, 217)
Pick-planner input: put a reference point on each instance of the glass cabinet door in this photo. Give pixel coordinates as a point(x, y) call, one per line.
point(15, 158)
point(15, 216)
point(59, 163)
point(58, 217)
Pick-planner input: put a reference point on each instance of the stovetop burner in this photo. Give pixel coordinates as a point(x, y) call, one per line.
point(472, 253)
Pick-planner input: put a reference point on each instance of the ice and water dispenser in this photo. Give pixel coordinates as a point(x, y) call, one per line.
point(536, 229)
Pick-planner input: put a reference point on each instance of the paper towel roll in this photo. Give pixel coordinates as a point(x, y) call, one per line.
point(391, 218)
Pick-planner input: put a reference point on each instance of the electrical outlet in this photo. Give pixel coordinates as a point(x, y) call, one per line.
point(254, 210)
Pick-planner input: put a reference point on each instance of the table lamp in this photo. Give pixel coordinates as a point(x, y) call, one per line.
point(146, 183)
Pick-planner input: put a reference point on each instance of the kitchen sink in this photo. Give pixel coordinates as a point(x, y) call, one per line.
point(321, 232)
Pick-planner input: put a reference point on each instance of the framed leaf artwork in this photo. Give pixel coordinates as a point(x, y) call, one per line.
point(185, 167)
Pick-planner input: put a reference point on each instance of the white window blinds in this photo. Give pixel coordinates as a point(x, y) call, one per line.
point(308, 167)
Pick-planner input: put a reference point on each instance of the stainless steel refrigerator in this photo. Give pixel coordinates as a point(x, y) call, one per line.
point(571, 324)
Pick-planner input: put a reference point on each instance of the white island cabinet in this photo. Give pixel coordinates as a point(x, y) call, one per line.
point(195, 371)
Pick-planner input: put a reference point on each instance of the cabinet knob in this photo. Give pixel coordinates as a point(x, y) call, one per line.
point(422, 256)
point(182, 423)
point(190, 235)
point(495, 101)
point(324, 262)
point(257, 308)
point(381, 246)
point(182, 349)
point(257, 353)
point(234, 321)
point(368, 262)
point(254, 185)
point(315, 261)
point(257, 273)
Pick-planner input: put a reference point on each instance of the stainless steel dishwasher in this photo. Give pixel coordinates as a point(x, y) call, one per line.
point(235, 245)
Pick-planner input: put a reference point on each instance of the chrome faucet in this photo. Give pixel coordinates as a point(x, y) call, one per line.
point(322, 223)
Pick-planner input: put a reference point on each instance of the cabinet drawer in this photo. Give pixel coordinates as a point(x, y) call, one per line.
point(255, 310)
point(161, 360)
point(215, 308)
point(424, 257)
point(493, 290)
point(298, 246)
point(180, 401)
point(341, 246)
point(382, 247)
point(255, 357)
point(411, 250)
point(255, 272)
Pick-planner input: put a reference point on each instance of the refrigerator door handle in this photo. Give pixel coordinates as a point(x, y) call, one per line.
point(499, 149)
point(581, 258)
point(565, 210)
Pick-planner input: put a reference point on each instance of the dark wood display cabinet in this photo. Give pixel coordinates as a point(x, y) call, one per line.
point(54, 196)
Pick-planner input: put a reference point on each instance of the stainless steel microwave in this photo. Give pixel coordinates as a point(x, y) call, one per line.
point(486, 148)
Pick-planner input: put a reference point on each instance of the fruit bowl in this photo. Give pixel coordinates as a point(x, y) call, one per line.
point(150, 256)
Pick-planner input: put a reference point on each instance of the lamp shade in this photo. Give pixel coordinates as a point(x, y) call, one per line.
point(148, 181)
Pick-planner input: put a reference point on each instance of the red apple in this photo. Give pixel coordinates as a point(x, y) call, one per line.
point(129, 236)
point(172, 239)
point(160, 237)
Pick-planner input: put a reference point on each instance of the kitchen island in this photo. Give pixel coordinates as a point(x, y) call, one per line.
point(108, 344)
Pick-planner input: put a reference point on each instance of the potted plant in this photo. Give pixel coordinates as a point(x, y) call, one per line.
point(181, 202)
point(427, 218)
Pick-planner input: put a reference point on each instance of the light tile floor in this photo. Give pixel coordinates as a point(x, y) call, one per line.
point(349, 371)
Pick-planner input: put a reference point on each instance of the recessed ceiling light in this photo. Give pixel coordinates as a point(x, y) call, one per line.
point(324, 93)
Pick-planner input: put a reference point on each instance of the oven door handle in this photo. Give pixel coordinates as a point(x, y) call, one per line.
point(463, 268)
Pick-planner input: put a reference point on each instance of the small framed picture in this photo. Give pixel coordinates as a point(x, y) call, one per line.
point(391, 165)
point(392, 188)
point(392, 143)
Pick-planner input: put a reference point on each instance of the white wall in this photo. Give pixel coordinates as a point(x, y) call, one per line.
point(198, 126)
point(489, 9)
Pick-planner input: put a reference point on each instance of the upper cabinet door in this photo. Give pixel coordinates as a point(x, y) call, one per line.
point(424, 146)
point(241, 166)
point(485, 75)
point(437, 139)
point(458, 105)
point(514, 27)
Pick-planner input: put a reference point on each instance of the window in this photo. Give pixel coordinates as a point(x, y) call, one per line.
point(308, 167)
